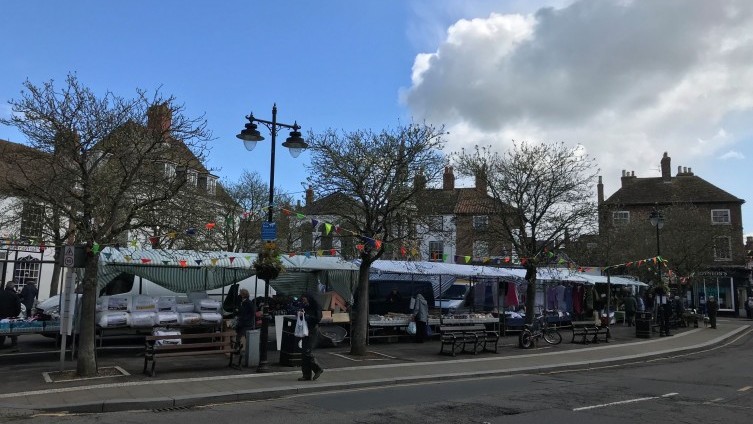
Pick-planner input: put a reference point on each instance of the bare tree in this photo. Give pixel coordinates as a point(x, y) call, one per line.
point(99, 160)
point(547, 193)
point(374, 174)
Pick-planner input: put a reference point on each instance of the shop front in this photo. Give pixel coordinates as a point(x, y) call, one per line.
point(729, 286)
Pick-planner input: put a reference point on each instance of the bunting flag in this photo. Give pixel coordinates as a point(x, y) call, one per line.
point(198, 261)
point(359, 247)
point(127, 258)
point(300, 216)
point(338, 230)
point(291, 254)
point(403, 251)
point(134, 243)
point(327, 228)
point(286, 212)
point(191, 231)
point(108, 255)
point(378, 243)
point(95, 248)
point(172, 234)
point(41, 247)
point(145, 260)
point(153, 240)
point(165, 262)
point(209, 226)
point(332, 252)
point(314, 223)
point(214, 261)
point(183, 262)
point(231, 258)
point(307, 254)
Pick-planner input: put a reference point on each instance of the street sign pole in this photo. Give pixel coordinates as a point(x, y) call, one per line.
point(67, 302)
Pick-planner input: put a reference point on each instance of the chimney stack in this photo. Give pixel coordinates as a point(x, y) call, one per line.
point(159, 118)
point(666, 173)
point(600, 191)
point(627, 177)
point(309, 196)
point(448, 179)
point(481, 182)
point(419, 181)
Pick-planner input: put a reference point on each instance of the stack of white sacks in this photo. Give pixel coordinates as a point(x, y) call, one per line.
point(147, 311)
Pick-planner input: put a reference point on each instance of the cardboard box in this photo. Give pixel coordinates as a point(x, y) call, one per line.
point(341, 317)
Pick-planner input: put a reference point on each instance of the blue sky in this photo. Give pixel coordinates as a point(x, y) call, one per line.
point(628, 80)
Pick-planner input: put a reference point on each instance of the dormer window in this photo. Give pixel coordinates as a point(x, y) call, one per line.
point(169, 169)
point(211, 184)
point(192, 178)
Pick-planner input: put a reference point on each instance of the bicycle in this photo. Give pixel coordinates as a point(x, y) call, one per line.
point(540, 329)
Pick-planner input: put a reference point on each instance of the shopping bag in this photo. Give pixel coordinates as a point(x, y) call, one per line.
point(429, 333)
point(301, 329)
point(412, 327)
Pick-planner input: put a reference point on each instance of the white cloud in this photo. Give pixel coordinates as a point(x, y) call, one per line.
point(732, 155)
point(628, 80)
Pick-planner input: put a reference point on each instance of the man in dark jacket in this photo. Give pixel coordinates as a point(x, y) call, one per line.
point(246, 318)
point(10, 307)
point(312, 313)
point(28, 296)
point(712, 306)
point(631, 305)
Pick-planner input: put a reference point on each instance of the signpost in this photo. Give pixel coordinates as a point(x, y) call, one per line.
point(68, 301)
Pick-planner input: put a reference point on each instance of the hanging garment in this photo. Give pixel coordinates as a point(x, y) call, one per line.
point(568, 299)
point(511, 298)
point(561, 297)
point(578, 294)
point(551, 298)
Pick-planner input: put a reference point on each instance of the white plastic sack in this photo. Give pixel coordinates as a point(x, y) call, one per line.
point(189, 318)
point(206, 305)
point(166, 318)
point(211, 318)
point(113, 319)
point(166, 304)
point(142, 303)
point(183, 304)
point(142, 319)
point(412, 327)
point(112, 303)
point(163, 332)
point(301, 329)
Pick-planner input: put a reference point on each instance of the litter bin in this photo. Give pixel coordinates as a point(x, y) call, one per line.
point(290, 346)
point(643, 325)
point(251, 350)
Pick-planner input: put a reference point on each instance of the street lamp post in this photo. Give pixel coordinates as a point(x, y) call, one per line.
point(657, 220)
point(295, 143)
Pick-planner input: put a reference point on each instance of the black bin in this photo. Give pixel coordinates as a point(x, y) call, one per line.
point(290, 348)
point(643, 325)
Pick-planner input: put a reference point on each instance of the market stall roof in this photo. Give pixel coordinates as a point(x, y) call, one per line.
point(184, 271)
point(620, 281)
point(181, 271)
point(442, 268)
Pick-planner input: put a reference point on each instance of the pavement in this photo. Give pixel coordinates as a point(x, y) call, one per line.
point(31, 380)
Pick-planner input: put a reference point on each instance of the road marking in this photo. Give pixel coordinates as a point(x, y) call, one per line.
point(745, 388)
point(717, 400)
point(622, 402)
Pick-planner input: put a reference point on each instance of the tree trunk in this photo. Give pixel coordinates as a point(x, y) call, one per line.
point(530, 293)
point(86, 366)
point(55, 282)
point(359, 327)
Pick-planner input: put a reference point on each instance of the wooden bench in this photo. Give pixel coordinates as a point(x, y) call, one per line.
point(459, 338)
point(174, 345)
point(589, 331)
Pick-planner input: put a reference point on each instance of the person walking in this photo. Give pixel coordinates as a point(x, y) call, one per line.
point(312, 313)
point(712, 307)
point(246, 318)
point(10, 307)
point(631, 305)
point(664, 311)
point(421, 317)
point(28, 297)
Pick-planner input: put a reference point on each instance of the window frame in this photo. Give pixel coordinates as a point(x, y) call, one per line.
point(32, 220)
point(480, 222)
point(481, 249)
point(436, 246)
point(192, 178)
point(727, 222)
point(617, 219)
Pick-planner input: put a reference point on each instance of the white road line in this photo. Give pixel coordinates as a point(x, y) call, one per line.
point(622, 402)
point(745, 388)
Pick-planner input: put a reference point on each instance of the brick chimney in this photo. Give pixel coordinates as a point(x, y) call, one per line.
point(309, 196)
point(159, 118)
point(627, 177)
point(481, 182)
point(600, 191)
point(448, 179)
point(419, 181)
point(666, 173)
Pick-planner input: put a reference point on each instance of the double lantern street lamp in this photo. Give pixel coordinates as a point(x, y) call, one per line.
point(657, 220)
point(295, 143)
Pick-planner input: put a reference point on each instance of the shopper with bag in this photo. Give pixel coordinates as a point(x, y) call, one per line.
point(309, 317)
point(420, 317)
point(246, 318)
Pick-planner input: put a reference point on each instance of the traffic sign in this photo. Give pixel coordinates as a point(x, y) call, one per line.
point(68, 256)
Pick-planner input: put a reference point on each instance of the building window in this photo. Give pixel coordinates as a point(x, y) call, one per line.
point(436, 223)
point(480, 222)
point(722, 248)
point(480, 249)
point(26, 271)
point(169, 170)
point(192, 178)
point(32, 220)
point(436, 251)
point(720, 216)
point(621, 217)
point(211, 184)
